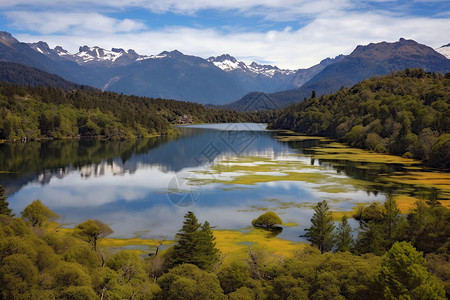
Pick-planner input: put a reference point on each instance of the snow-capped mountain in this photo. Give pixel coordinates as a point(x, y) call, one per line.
point(89, 55)
point(228, 63)
point(92, 55)
point(97, 55)
point(444, 50)
point(170, 74)
point(42, 47)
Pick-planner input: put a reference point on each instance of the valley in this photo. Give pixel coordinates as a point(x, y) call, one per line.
point(129, 176)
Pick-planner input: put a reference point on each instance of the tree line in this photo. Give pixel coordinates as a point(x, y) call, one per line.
point(39, 262)
point(405, 113)
point(45, 112)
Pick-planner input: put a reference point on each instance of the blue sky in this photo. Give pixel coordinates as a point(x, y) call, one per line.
point(287, 33)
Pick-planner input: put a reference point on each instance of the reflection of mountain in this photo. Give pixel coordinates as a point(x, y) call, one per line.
point(22, 163)
point(41, 161)
point(202, 147)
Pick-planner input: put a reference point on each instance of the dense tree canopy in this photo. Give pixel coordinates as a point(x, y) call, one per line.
point(405, 113)
point(36, 112)
point(404, 275)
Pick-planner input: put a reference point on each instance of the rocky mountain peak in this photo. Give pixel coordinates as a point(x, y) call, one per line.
point(222, 58)
point(41, 47)
point(6, 37)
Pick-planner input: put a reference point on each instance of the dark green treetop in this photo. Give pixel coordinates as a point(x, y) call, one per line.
point(320, 233)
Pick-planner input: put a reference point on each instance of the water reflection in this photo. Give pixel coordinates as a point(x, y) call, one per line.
point(125, 184)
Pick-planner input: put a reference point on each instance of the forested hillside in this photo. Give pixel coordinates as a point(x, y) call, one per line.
point(27, 76)
point(406, 113)
point(46, 112)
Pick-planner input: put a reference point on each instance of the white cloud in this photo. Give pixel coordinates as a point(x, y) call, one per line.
point(333, 27)
point(72, 23)
point(187, 7)
point(323, 37)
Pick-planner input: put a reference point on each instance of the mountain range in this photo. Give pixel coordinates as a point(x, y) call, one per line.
point(222, 80)
point(364, 62)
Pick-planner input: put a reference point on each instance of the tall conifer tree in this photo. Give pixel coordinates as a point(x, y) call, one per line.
point(344, 239)
point(320, 233)
point(195, 244)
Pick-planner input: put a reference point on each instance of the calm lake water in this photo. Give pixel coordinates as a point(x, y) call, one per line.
point(227, 174)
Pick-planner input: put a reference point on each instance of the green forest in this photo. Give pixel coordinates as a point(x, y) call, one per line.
point(405, 113)
point(30, 113)
point(394, 256)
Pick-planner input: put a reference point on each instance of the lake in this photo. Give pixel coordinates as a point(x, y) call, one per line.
point(227, 174)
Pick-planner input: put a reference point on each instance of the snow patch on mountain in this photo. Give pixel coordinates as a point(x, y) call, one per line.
point(41, 47)
point(228, 63)
point(444, 50)
point(269, 70)
point(61, 51)
point(159, 56)
point(89, 54)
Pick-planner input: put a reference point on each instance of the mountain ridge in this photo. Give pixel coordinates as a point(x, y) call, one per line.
point(169, 74)
point(374, 59)
point(221, 80)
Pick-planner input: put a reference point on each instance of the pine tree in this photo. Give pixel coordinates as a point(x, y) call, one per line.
point(195, 244)
point(404, 275)
point(391, 215)
point(209, 254)
point(320, 233)
point(344, 239)
point(4, 209)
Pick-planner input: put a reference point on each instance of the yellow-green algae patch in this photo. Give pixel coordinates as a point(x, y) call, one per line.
point(284, 170)
point(338, 151)
point(292, 138)
point(133, 244)
point(438, 180)
point(118, 242)
point(405, 203)
point(232, 243)
point(289, 224)
point(236, 243)
point(249, 179)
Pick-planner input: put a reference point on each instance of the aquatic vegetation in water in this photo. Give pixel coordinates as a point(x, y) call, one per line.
point(338, 151)
point(237, 242)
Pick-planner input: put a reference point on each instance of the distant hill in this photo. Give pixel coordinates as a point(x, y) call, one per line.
point(364, 62)
point(28, 76)
point(406, 113)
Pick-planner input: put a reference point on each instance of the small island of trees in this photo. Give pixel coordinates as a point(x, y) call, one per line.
point(267, 220)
